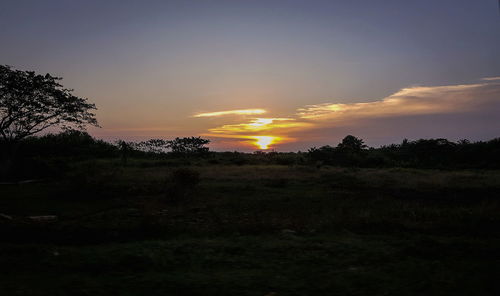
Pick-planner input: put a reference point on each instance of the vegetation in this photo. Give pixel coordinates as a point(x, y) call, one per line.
point(423, 153)
point(189, 146)
point(226, 223)
point(251, 230)
point(44, 156)
point(31, 103)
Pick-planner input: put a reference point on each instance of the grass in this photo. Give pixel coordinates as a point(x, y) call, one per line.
point(253, 230)
point(345, 264)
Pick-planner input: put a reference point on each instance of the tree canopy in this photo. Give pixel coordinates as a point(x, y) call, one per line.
point(30, 103)
point(189, 145)
point(352, 143)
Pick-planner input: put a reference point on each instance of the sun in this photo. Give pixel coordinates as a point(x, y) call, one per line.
point(263, 142)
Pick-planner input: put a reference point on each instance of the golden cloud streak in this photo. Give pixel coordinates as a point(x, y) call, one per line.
point(259, 125)
point(262, 133)
point(231, 112)
point(407, 101)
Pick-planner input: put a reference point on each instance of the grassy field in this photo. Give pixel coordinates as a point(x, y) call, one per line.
point(252, 230)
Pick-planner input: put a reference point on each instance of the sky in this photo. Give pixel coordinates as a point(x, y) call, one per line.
point(284, 75)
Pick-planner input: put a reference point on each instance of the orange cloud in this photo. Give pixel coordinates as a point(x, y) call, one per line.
point(416, 100)
point(262, 133)
point(259, 125)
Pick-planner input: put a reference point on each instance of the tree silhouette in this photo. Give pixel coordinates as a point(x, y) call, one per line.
point(30, 103)
point(154, 146)
point(125, 149)
point(351, 143)
point(190, 145)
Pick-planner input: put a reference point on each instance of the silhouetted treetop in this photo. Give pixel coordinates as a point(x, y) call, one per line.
point(30, 103)
point(190, 145)
point(157, 146)
point(352, 143)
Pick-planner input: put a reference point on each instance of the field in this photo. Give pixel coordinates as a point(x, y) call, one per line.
point(149, 228)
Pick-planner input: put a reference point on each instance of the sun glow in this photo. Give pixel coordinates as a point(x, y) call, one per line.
point(259, 125)
point(259, 142)
point(263, 142)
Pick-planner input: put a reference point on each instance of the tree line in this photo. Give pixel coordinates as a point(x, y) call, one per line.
point(422, 153)
point(350, 152)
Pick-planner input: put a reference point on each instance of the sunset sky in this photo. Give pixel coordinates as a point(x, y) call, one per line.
point(284, 75)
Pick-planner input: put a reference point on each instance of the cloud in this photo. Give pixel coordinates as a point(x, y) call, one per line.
point(231, 112)
point(407, 101)
point(259, 125)
point(259, 133)
point(491, 78)
point(456, 109)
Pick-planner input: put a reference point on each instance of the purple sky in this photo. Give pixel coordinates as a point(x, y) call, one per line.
point(382, 70)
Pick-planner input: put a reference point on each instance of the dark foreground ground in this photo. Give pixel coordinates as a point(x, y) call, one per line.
point(252, 230)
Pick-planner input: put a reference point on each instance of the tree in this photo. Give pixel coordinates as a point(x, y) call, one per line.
point(191, 145)
point(155, 146)
point(31, 103)
point(351, 143)
point(125, 149)
point(321, 155)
